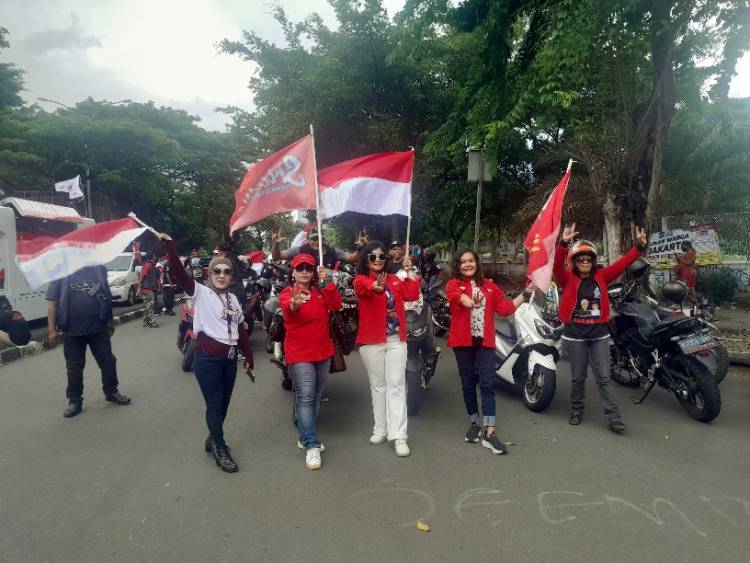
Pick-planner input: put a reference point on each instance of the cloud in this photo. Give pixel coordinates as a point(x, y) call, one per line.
point(69, 38)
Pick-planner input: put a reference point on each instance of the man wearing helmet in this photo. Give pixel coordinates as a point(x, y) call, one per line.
point(584, 310)
point(331, 255)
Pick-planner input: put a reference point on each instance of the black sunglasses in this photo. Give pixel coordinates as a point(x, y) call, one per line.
point(219, 271)
point(376, 257)
point(304, 268)
point(582, 259)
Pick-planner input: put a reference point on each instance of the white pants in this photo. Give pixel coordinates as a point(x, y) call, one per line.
point(386, 369)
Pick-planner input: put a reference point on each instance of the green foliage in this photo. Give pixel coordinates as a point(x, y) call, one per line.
point(718, 285)
point(11, 79)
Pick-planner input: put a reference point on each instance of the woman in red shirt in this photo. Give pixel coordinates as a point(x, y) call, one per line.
point(474, 301)
point(584, 310)
point(382, 338)
point(307, 346)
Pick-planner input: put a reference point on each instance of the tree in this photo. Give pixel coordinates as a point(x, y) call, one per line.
point(11, 79)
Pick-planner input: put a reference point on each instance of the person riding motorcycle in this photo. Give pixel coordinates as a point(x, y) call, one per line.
point(331, 255)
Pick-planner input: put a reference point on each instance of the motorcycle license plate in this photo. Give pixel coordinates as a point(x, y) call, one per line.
point(699, 343)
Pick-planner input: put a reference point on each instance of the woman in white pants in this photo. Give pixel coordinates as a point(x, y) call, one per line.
point(382, 339)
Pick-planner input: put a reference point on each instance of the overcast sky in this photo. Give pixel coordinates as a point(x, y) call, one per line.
point(160, 50)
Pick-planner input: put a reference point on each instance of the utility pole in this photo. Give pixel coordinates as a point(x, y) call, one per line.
point(477, 173)
point(89, 206)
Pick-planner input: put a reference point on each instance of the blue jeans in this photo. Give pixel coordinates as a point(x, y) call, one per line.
point(309, 381)
point(476, 364)
point(216, 378)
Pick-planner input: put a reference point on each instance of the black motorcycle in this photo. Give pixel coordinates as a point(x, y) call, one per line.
point(440, 310)
point(422, 354)
point(651, 350)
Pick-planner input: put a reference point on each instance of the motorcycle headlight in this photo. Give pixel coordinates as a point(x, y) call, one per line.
point(118, 282)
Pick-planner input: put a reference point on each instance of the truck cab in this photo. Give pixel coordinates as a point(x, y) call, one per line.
point(28, 226)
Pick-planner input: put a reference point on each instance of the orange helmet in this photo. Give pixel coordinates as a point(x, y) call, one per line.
point(580, 247)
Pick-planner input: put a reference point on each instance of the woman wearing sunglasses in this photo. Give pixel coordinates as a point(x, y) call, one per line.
point(474, 303)
point(382, 339)
point(307, 346)
point(217, 320)
point(584, 310)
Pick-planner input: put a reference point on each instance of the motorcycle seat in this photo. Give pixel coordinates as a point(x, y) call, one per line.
point(505, 328)
point(675, 326)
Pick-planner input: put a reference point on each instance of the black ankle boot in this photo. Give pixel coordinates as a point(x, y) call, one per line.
point(74, 408)
point(224, 459)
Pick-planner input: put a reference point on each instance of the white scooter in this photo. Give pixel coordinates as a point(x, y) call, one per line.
point(527, 349)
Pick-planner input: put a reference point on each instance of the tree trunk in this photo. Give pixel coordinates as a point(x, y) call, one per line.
point(614, 226)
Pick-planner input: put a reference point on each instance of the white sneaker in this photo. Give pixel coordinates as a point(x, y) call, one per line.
point(312, 459)
point(376, 440)
point(301, 447)
point(402, 448)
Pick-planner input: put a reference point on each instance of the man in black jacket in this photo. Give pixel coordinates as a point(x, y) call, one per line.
point(80, 305)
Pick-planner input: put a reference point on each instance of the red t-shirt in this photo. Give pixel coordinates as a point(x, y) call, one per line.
point(685, 269)
point(307, 336)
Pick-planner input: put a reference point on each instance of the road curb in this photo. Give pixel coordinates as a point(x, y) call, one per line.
point(9, 355)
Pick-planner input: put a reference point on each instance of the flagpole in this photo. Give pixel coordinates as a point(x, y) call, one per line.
point(142, 224)
point(317, 199)
point(570, 165)
point(408, 219)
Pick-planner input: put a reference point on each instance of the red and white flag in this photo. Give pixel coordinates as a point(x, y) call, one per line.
point(256, 260)
point(282, 182)
point(376, 184)
point(91, 246)
point(540, 242)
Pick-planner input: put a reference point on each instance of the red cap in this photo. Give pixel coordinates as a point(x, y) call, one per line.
point(302, 259)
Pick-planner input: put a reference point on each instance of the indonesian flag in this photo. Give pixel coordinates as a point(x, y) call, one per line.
point(91, 246)
point(282, 182)
point(72, 187)
point(540, 242)
point(256, 260)
point(377, 184)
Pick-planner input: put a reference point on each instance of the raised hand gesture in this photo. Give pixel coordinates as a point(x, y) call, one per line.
point(641, 238)
point(276, 237)
point(379, 285)
point(297, 299)
point(361, 239)
point(569, 233)
point(322, 273)
point(162, 236)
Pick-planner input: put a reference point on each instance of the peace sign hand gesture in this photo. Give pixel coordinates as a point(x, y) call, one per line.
point(361, 239)
point(569, 233)
point(379, 285)
point(641, 238)
point(297, 299)
point(276, 238)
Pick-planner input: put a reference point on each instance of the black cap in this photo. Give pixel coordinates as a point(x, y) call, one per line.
point(396, 243)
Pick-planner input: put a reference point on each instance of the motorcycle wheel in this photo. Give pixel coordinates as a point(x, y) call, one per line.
point(619, 370)
point(439, 329)
point(538, 388)
point(707, 312)
point(716, 361)
point(704, 402)
point(188, 356)
point(413, 393)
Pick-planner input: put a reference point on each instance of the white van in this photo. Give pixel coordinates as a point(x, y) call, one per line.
point(123, 276)
point(26, 222)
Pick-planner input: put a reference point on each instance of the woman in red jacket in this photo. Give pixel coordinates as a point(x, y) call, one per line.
point(382, 339)
point(307, 346)
point(584, 310)
point(474, 301)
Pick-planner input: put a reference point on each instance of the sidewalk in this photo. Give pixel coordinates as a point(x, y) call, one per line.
point(733, 321)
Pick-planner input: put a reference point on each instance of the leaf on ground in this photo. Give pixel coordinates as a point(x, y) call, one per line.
point(422, 527)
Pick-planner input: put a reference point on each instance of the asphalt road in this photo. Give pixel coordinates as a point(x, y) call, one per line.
point(133, 484)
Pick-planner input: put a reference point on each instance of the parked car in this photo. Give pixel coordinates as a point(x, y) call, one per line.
point(123, 276)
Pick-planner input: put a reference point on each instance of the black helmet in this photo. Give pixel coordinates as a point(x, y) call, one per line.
point(638, 268)
point(429, 251)
point(395, 243)
point(674, 291)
